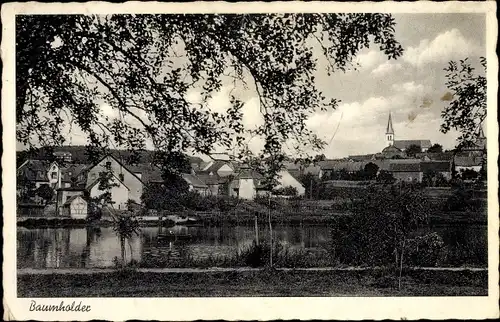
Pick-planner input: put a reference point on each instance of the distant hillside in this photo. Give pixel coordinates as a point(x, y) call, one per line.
point(79, 154)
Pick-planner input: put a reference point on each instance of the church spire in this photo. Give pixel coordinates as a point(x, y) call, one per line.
point(390, 130)
point(389, 133)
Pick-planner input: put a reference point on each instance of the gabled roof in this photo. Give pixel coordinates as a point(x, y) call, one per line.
point(72, 171)
point(34, 170)
point(119, 162)
point(404, 144)
point(70, 200)
point(196, 160)
point(363, 157)
point(149, 172)
point(216, 165)
point(209, 179)
point(439, 166)
point(248, 174)
point(437, 156)
point(404, 167)
point(343, 165)
point(193, 180)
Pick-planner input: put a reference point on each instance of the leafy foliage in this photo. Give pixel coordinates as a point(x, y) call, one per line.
point(466, 110)
point(371, 170)
point(165, 196)
point(45, 192)
point(380, 223)
point(385, 176)
point(413, 149)
point(142, 67)
point(435, 148)
point(432, 178)
point(468, 174)
point(425, 251)
point(286, 191)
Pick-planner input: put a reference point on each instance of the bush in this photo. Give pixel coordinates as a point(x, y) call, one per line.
point(465, 246)
point(424, 251)
point(286, 191)
point(462, 200)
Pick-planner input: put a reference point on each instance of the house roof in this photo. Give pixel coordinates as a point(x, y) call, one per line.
point(344, 183)
point(404, 144)
point(245, 173)
point(216, 165)
point(34, 170)
point(78, 188)
point(440, 166)
point(149, 172)
point(362, 157)
point(404, 167)
point(339, 165)
point(70, 200)
point(468, 161)
point(72, 171)
point(195, 160)
point(382, 164)
point(126, 167)
point(209, 179)
point(437, 156)
point(193, 180)
point(391, 148)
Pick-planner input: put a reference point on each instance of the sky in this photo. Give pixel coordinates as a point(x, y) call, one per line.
point(410, 88)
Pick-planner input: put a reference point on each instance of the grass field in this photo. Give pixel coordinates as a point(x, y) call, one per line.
point(252, 283)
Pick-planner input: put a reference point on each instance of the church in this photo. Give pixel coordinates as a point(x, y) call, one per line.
point(395, 146)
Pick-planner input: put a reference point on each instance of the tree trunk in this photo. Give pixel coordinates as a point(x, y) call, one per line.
point(270, 234)
point(401, 266)
point(122, 246)
point(256, 231)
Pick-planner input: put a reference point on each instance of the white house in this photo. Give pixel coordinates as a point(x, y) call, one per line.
point(130, 183)
point(120, 193)
point(287, 180)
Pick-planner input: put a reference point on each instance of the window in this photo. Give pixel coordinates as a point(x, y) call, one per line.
point(121, 177)
point(108, 164)
point(53, 175)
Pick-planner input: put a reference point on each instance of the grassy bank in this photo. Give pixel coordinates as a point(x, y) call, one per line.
point(253, 283)
point(32, 223)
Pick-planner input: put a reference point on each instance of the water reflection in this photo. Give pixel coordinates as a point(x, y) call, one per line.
point(100, 247)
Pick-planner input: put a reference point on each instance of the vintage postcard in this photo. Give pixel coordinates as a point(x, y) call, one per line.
point(250, 161)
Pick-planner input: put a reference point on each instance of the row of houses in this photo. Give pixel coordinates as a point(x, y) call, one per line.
point(127, 182)
point(219, 176)
point(411, 169)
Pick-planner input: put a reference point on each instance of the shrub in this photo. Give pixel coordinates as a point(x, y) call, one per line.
point(424, 251)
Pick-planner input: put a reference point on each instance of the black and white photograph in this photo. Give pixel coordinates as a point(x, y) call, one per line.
point(249, 153)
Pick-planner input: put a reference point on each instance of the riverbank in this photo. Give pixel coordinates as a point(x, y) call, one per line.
point(242, 218)
point(253, 282)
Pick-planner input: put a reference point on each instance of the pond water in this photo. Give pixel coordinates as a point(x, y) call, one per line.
point(100, 247)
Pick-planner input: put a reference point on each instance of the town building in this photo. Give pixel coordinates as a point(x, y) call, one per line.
point(403, 145)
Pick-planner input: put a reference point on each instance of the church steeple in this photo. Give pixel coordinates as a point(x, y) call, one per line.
point(389, 133)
